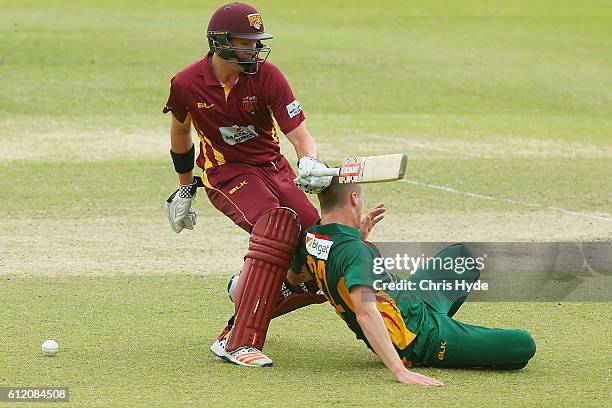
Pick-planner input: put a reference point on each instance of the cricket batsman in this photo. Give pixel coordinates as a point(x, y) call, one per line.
point(235, 100)
point(404, 328)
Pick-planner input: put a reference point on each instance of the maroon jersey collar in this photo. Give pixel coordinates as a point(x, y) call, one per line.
point(207, 72)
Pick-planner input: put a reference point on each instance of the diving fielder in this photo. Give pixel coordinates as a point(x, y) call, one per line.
point(404, 328)
point(234, 99)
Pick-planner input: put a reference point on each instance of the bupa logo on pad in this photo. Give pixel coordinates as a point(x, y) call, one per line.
point(318, 246)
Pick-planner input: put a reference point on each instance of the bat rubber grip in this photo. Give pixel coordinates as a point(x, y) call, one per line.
point(330, 171)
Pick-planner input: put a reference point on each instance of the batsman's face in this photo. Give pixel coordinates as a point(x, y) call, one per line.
point(242, 43)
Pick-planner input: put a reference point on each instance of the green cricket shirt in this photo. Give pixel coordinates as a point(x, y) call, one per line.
point(338, 259)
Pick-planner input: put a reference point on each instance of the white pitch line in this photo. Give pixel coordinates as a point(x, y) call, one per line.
point(506, 200)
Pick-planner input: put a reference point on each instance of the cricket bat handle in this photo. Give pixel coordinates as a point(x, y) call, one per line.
point(367, 169)
point(330, 171)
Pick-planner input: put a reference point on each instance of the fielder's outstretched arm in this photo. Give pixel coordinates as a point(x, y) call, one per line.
point(373, 327)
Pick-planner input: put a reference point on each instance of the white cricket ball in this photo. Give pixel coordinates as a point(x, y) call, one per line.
point(50, 348)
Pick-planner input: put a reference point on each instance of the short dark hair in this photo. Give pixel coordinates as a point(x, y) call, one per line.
point(336, 194)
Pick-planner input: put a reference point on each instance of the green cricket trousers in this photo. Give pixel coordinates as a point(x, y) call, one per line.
point(450, 343)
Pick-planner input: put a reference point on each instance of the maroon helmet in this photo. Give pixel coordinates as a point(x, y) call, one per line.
point(238, 20)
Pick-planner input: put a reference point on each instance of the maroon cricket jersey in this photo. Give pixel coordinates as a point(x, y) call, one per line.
point(238, 124)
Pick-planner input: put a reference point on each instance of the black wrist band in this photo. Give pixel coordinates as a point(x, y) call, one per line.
point(183, 162)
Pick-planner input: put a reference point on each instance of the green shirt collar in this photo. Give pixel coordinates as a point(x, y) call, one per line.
point(334, 228)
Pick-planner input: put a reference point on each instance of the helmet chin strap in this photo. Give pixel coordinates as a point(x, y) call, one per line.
point(249, 66)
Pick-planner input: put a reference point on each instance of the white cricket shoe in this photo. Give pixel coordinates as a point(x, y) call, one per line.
point(218, 347)
point(245, 356)
point(248, 356)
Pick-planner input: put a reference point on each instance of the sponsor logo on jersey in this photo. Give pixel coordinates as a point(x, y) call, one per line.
point(294, 108)
point(249, 104)
point(255, 21)
point(238, 186)
point(205, 105)
point(318, 246)
point(237, 134)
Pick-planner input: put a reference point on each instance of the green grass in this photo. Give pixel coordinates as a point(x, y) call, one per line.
point(441, 72)
point(143, 340)
point(141, 186)
point(506, 98)
point(511, 58)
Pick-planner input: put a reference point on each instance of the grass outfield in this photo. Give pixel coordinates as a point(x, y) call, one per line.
point(129, 340)
point(503, 108)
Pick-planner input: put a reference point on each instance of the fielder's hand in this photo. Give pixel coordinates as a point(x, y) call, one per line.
point(306, 182)
point(373, 217)
point(178, 207)
point(409, 377)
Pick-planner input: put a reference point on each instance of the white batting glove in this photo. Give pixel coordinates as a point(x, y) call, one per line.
point(306, 182)
point(178, 208)
point(306, 164)
point(312, 184)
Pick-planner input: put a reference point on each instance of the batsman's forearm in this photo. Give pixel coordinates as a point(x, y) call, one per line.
point(307, 148)
point(303, 142)
point(373, 327)
point(186, 178)
point(181, 144)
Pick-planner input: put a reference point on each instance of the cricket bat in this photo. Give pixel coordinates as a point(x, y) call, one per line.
point(368, 169)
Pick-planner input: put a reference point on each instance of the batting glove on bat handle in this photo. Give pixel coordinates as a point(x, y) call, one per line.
point(313, 176)
point(312, 184)
point(307, 164)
